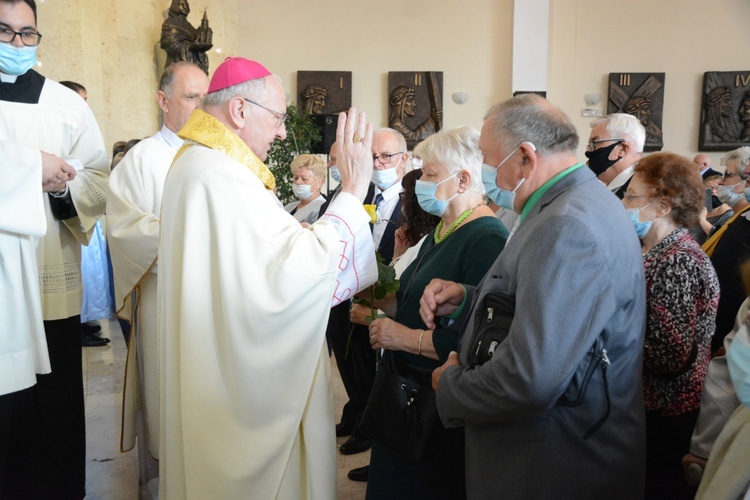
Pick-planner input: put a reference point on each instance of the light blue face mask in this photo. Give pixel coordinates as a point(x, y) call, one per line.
point(425, 191)
point(641, 228)
point(334, 171)
point(16, 60)
point(726, 195)
point(499, 196)
point(747, 194)
point(386, 177)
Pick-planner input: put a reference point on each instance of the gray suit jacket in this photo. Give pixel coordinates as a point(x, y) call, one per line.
point(574, 268)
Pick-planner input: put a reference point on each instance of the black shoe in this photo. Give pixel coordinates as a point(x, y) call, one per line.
point(360, 474)
point(93, 340)
point(355, 445)
point(344, 430)
point(90, 329)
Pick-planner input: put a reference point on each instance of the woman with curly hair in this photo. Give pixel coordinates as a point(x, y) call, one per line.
point(665, 197)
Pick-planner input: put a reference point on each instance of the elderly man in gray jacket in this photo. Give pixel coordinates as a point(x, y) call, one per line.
point(548, 379)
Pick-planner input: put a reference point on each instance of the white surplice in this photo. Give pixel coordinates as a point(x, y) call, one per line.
point(133, 211)
point(244, 297)
point(61, 123)
point(23, 348)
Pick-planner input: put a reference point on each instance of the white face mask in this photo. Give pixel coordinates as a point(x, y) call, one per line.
point(387, 177)
point(302, 191)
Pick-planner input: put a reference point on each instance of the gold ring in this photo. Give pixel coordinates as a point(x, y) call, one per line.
point(357, 138)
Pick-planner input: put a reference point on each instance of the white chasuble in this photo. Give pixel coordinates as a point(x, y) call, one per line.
point(244, 298)
point(23, 348)
point(133, 212)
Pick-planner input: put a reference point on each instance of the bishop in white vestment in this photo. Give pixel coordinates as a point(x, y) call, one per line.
point(244, 297)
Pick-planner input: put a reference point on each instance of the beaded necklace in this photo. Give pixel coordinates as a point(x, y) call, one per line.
point(452, 229)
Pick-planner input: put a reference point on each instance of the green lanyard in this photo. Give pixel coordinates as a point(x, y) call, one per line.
point(534, 198)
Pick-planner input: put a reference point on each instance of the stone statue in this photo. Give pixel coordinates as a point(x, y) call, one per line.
point(181, 41)
point(402, 106)
point(315, 99)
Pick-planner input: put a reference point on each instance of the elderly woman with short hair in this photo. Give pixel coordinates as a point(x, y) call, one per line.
point(463, 246)
point(309, 174)
point(664, 197)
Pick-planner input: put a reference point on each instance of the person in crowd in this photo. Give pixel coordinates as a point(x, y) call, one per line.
point(309, 174)
point(245, 378)
point(665, 197)
point(703, 164)
point(48, 117)
point(727, 474)
point(354, 356)
point(23, 348)
point(615, 146)
point(729, 245)
point(462, 247)
point(133, 213)
point(533, 429)
point(94, 271)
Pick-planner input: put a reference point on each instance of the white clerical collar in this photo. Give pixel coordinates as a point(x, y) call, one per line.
point(170, 137)
point(8, 78)
point(389, 192)
point(621, 178)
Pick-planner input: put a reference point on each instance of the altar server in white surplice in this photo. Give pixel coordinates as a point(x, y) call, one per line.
point(133, 211)
point(50, 118)
point(244, 297)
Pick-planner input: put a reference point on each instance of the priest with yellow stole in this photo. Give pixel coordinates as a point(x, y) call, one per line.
point(244, 297)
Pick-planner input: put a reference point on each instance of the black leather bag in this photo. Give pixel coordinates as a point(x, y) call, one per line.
point(492, 325)
point(401, 413)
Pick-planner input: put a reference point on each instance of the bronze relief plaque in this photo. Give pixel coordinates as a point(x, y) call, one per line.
point(640, 95)
point(324, 92)
point(415, 103)
point(725, 111)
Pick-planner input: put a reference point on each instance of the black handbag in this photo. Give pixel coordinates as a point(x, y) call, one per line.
point(401, 413)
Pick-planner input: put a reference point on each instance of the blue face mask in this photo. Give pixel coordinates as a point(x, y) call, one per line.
point(726, 195)
point(335, 173)
point(387, 177)
point(425, 192)
point(16, 60)
point(641, 228)
point(499, 196)
point(747, 194)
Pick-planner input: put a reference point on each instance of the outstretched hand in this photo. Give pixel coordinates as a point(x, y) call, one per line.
point(354, 137)
point(451, 361)
point(55, 173)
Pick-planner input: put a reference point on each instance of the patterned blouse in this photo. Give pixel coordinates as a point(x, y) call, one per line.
point(682, 297)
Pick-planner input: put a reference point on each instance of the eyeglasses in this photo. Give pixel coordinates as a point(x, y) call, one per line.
point(734, 174)
point(280, 117)
point(385, 159)
point(592, 144)
point(28, 38)
point(631, 197)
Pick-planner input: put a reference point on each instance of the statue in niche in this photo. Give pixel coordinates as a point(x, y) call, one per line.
point(403, 106)
point(181, 41)
point(640, 107)
point(745, 119)
point(717, 126)
point(315, 99)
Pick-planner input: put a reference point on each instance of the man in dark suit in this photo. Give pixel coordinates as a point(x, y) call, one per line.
point(573, 267)
point(615, 146)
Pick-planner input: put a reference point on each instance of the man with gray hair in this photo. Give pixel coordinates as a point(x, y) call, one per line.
point(133, 213)
point(615, 146)
point(244, 297)
point(548, 380)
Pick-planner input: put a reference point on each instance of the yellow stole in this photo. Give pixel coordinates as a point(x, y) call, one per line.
point(710, 245)
point(206, 130)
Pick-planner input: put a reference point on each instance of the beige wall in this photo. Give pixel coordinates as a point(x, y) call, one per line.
point(111, 47)
point(470, 41)
point(591, 38)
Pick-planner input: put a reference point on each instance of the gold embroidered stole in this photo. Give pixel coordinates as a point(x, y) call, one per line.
point(206, 130)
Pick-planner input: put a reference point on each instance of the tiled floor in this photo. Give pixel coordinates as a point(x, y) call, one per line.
point(111, 475)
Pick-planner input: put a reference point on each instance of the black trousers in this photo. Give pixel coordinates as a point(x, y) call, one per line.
point(357, 366)
point(43, 428)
